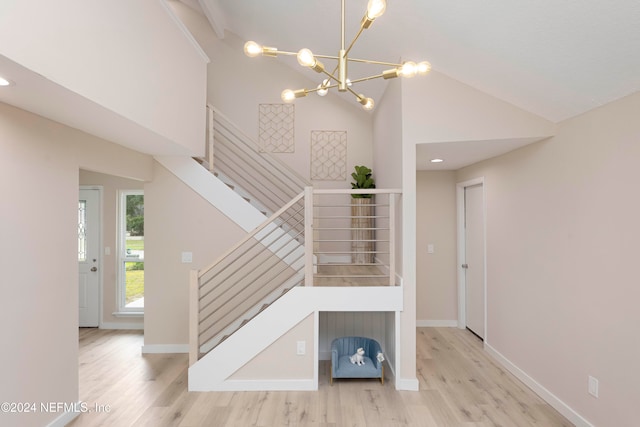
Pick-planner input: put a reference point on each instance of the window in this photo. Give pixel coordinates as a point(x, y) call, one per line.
point(131, 252)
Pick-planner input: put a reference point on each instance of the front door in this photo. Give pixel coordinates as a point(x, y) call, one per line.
point(88, 257)
point(474, 259)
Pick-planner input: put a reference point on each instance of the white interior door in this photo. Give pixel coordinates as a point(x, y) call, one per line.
point(88, 257)
point(474, 259)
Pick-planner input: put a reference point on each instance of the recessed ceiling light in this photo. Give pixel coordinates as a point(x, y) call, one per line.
point(4, 82)
point(437, 160)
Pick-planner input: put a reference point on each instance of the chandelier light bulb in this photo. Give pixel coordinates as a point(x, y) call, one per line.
point(323, 88)
point(367, 103)
point(287, 95)
point(322, 91)
point(252, 49)
point(306, 58)
point(409, 69)
point(424, 67)
point(375, 8)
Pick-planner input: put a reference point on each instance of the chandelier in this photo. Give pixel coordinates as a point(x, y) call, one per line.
point(338, 77)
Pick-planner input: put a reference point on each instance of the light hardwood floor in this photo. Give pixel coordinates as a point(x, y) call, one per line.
point(460, 386)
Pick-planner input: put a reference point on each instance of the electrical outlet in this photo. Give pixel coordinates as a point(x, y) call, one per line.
point(301, 348)
point(593, 386)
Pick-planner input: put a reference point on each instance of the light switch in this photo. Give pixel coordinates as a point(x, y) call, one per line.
point(187, 257)
point(107, 250)
point(430, 248)
point(301, 347)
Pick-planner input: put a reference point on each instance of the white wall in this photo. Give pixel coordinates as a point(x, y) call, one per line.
point(39, 164)
point(129, 57)
point(270, 364)
point(441, 109)
point(177, 220)
point(562, 231)
point(436, 283)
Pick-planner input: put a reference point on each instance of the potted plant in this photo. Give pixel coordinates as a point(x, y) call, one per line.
point(363, 179)
point(362, 218)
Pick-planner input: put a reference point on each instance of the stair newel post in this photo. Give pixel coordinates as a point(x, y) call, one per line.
point(308, 236)
point(392, 238)
point(194, 314)
point(210, 137)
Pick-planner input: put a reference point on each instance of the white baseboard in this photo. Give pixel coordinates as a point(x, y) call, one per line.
point(123, 326)
point(436, 323)
point(545, 394)
point(265, 385)
point(409, 384)
point(165, 348)
point(65, 418)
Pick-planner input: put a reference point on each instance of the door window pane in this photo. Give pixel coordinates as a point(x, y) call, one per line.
point(82, 230)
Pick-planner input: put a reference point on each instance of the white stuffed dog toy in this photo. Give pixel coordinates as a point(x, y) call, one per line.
point(358, 357)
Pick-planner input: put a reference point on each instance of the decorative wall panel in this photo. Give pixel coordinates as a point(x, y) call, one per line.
point(275, 133)
point(328, 155)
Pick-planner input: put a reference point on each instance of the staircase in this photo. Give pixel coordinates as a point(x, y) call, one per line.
point(263, 286)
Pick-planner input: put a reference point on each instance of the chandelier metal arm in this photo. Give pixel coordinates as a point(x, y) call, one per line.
point(364, 61)
point(364, 79)
point(354, 39)
point(370, 61)
point(338, 78)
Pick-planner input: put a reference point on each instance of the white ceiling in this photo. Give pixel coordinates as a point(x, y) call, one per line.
point(553, 58)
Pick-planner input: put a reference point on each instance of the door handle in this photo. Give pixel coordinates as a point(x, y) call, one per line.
point(463, 266)
point(94, 268)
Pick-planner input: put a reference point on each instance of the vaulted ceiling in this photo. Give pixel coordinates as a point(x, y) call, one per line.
point(553, 58)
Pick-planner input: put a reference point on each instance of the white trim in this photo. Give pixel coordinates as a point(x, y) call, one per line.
point(537, 388)
point(460, 209)
point(123, 326)
point(436, 323)
point(408, 384)
point(316, 353)
point(185, 31)
point(128, 313)
point(65, 418)
point(268, 385)
point(214, 16)
point(165, 348)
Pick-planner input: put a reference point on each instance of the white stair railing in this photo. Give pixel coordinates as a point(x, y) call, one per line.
point(267, 179)
point(255, 272)
point(354, 238)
